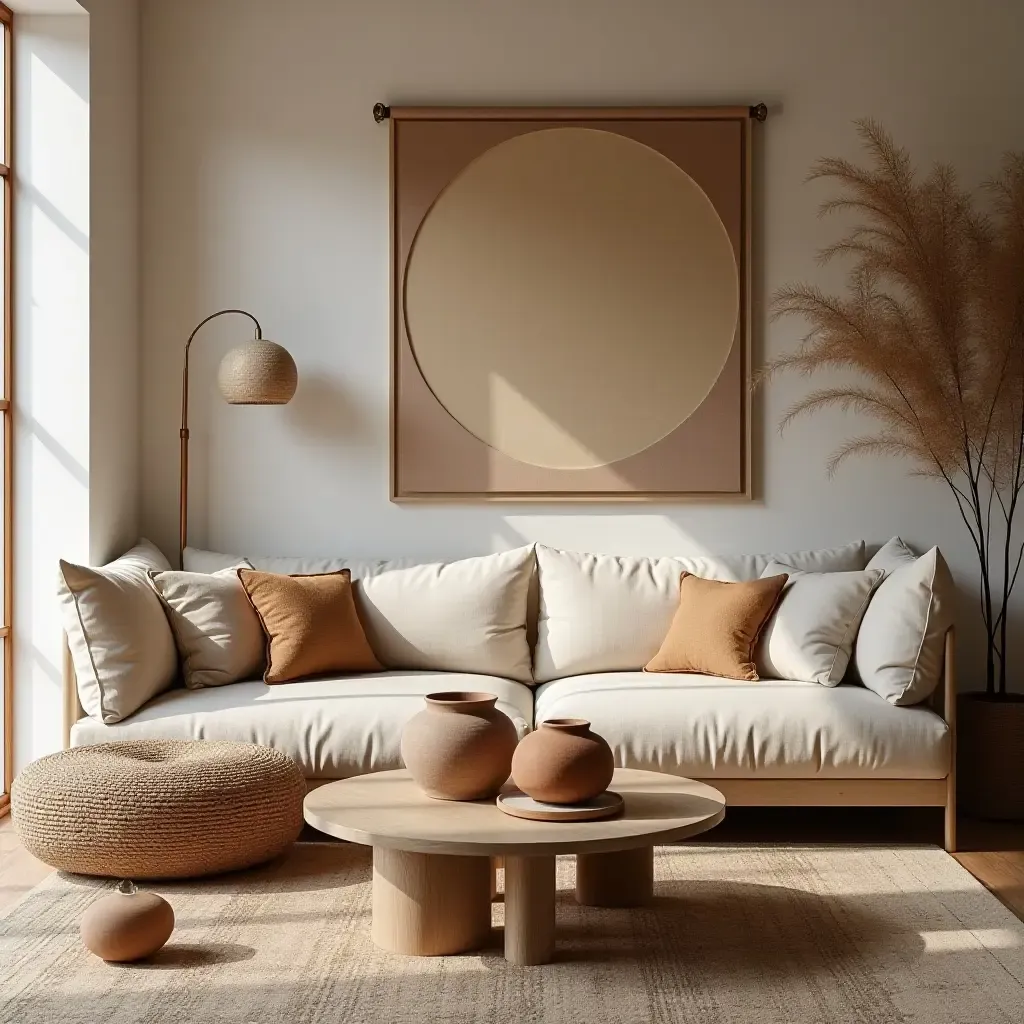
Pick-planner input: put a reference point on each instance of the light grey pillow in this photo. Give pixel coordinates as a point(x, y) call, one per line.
point(217, 631)
point(901, 643)
point(121, 644)
point(811, 633)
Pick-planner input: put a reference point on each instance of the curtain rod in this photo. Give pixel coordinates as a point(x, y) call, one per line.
point(758, 112)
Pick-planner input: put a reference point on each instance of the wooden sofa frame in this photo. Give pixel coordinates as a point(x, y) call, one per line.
point(776, 792)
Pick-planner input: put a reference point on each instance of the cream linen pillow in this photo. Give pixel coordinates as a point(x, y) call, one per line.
point(901, 643)
point(121, 644)
point(218, 634)
point(811, 635)
point(466, 616)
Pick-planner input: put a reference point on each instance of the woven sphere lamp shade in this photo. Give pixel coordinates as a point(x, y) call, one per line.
point(258, 373)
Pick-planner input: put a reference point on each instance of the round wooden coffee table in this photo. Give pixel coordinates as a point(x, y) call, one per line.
point(432, 859)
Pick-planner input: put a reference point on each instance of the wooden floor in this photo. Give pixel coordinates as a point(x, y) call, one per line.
point(992, 851)
point(19, 870)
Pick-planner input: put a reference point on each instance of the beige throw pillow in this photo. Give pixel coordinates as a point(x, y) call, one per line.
point(310, 624)
point(217, 631)
point(121, 644)
point(716, 627)
point(811, 635)
point(901, 644)
point(465, 616)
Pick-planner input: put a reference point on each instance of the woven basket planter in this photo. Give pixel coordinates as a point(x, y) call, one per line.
point(158, 808)
point(990, 738)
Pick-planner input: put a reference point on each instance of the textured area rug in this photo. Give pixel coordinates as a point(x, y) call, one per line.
point(735, 935)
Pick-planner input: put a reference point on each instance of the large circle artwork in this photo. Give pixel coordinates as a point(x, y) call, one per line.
point(571, 297)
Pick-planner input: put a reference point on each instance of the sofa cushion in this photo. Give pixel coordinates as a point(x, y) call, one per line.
point(218, 634)
point(331, 728)
point(120, 641)
point(311, 625)
point(200, 560)
point(810, 636)
point(901, 644)
point(469, 615)
point(607, 613)
point(716, 627)
point(464, 616)
point(701, 727)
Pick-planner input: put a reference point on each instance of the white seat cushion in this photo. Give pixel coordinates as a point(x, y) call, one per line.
point(704, 727)
point(331, 728)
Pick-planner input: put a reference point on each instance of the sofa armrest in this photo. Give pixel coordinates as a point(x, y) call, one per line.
point(945, 705)
point(944, 698)
point(73, 709)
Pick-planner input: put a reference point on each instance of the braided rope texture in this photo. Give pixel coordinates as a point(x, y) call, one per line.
point(148, 809)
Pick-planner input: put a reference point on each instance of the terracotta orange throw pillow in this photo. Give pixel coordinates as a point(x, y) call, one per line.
point(716, 626)
point(310, 623)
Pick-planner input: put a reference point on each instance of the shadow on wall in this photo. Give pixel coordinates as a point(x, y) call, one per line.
point(325, 411)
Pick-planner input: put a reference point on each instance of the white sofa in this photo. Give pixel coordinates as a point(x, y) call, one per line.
point(592, 624)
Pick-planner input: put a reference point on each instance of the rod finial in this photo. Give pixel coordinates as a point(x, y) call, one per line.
point(381, 112)
point(759, 112)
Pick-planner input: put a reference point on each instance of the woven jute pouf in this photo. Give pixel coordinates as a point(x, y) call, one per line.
point(158, 808)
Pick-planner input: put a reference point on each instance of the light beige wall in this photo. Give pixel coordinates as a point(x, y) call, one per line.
point(266, 185)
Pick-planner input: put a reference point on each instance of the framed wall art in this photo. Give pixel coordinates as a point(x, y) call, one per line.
point(571, 303)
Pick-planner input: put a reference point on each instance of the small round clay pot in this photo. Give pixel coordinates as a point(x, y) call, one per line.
point(127, 925)
point(460, 746)
point(563, 762)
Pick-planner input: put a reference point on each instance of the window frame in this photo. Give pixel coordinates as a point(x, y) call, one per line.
point(6, 399)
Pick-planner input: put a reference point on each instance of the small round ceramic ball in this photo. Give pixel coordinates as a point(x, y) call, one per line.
point(127, 925)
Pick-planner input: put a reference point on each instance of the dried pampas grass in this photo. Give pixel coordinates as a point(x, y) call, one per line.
point(932, 328)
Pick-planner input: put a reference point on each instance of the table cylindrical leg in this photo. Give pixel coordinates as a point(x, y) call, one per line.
point(529, 910)
point(429, 904)
point(621, 879)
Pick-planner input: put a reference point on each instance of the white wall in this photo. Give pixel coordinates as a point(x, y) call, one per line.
point(77, 161)
point(115, 283)
point(266, 185)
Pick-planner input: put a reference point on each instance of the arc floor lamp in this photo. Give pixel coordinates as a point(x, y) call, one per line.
point(260, 372)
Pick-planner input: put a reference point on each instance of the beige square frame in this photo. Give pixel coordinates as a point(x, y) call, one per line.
point(428, 449)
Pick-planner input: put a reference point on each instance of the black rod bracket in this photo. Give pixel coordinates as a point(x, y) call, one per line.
point(759, 112)
point(381, 112)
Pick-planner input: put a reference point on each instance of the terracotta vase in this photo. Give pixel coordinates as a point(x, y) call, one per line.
point(460, 746)
point(563, 762)
point(127, 925)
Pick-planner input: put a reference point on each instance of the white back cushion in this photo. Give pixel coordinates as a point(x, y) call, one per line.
point(465, 616)
point(120, 641)
point(811, 632)
point(609, 613)
point(901, 643)
point(198, 560)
